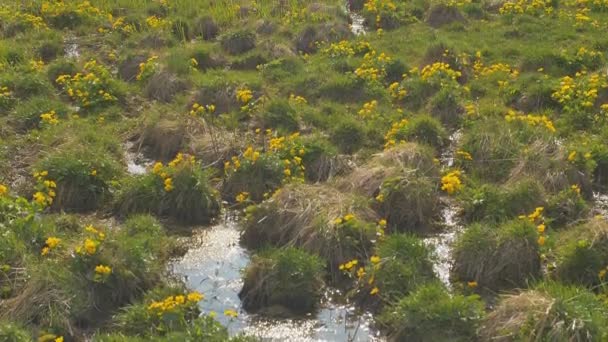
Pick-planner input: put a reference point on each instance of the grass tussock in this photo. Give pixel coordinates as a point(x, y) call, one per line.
point(305, 216)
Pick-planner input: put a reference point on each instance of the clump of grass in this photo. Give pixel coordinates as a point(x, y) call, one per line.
point(65, 291)
point(566, 207)
point(397, 161)
point(495, 258)
point(259, 179)
point(430, 313)
point(349, 136)
point(179, 190)
point(311, 217)
point(163, 136)
point(405, 263)
point(442, 14)
point(493, 203)
point(288, 277)
point(550, 311)
point(582, 253)
point(83, 177)
point(280, 116)
point(409, 202)
point(163, 86)
point(423, 129)
point(239, 42)
point(11, 332)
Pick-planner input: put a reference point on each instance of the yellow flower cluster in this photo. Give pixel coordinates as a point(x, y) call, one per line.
point(373, 66)
point(45, 189)
point(157, 23)
point(451, 182)
point(103, 270)
point(119, 25)
point(49, 118)
point(88, 89)
point(348, 265)
point(5, 92)
point(299, 100)
point(36, 65)
point(441, 69)
point(3, 190)
point(391, 135)
point(347, 48)
point(50, 244)
point(579, 93)
point(480, 69)
point(464, 155)
point(242, 197)
point(174, 303)
point(532, 7)
point(147, 68)
point(397, 91)
point(537, 218)
point(244, 95)
point(231, 313)
point(532, 120)
point(347, 218)
point(200, 110)
point(369, 110)
point(378, 7)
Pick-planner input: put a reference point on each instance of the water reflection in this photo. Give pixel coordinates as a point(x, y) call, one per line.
point(213, 267)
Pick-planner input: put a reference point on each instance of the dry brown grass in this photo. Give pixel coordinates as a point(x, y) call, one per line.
point(515, 311)
point(302, 215)
point(367, 179)
point(547, 162)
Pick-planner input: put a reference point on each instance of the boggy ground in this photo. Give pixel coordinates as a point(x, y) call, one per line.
point(328, 143)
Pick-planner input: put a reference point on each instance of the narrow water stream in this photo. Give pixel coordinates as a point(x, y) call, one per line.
point(443, 242)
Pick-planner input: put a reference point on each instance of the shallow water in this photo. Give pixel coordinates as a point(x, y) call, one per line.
point(213, 267)
point(357, 22)
point(137, 164)
point(443, 243)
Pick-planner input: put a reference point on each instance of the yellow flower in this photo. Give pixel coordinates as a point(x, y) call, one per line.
point(382, 223)
point(380, 198)
point(602, 274)
point(231, 313)
point(338, 221)
point(103, 270)
point(94, 173)
point(59, 339)
point(287, 172)
point(375, 259)
point(158, 166)
point(360, 272)
point(242, 197)
point(472, 284)
point(374, 291)
point(52, 242)
point(572, 156)
point(45, 251)
point(349, 217)
point(40, 198)
point(541, 228)
point(541, 240)
point(195, 297)
point(90, 246)
point(3, 190)
point(168, 185)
